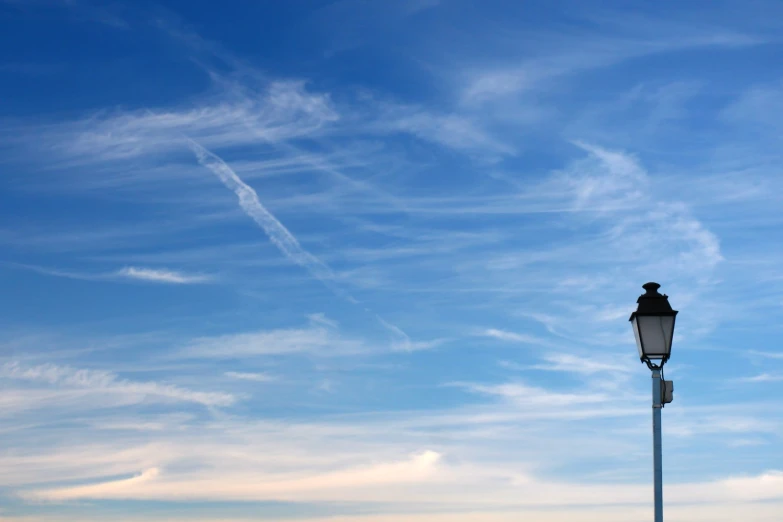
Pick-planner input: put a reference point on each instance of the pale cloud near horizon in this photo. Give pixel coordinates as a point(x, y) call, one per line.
point(721, 512)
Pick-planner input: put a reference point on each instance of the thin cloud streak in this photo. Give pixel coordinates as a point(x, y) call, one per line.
point(768, 355)
point(100, 382)
point(250, 376)
point(570, 363)
point(279, 234)
point(161, 276)
point(126, 274)
point(763, 377)
point(313, 340)
point(564, 56)
point(248, 200)
point(514, 337)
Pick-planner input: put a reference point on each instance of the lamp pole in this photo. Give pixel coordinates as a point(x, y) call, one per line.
point(657, 446)
point(653, 327)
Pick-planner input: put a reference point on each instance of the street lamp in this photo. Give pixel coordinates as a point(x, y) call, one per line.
point(653, 327)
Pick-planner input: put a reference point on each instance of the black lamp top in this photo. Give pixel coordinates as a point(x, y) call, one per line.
point(653, 302)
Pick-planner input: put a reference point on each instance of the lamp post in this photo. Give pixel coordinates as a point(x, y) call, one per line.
point(653, 327)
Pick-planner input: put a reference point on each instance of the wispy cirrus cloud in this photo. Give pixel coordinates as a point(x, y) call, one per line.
point(320, 318)
point(454, 131)
point(284, 110)
point(98, 383)
point(504, 335)
point(571, 363)
point(250, 376)
point(314, 340)
point(533, 396)
point(161, 276)
point(766, 355)
point(128, 273)
point(558, 56)
point(283, 239)
point(762, 377)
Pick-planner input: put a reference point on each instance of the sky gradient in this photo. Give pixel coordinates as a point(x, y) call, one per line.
point(359, 261)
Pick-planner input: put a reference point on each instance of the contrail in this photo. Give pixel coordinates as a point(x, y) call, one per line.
point(248, 200)
point(280, 236)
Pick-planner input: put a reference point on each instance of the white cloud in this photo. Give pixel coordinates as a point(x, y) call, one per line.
point(250, 376)
point(762, 377)
point(711, 512)
point(248, 200)
point(277, 233)
point(467, 459)
point(152, 484)
point(425, 479)
point(452, 130)
point(535, 397)
point(559, 55)
point(111, 489)
point(622, 185)
point(314, 340)
point(767, 355)
point(282, 111)
point(504, 335)
point(321, 319)
point(403, 342)
point(619, 187)
point(563, 362)
point(688, 422)
point(161, 276)
point(756, 107)
point(128, 273)
point(99, 383)
point(627, 234)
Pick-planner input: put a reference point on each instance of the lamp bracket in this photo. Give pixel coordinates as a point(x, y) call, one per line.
point(652, 366)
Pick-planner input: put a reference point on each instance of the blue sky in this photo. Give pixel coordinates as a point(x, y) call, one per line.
point(357, 261)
